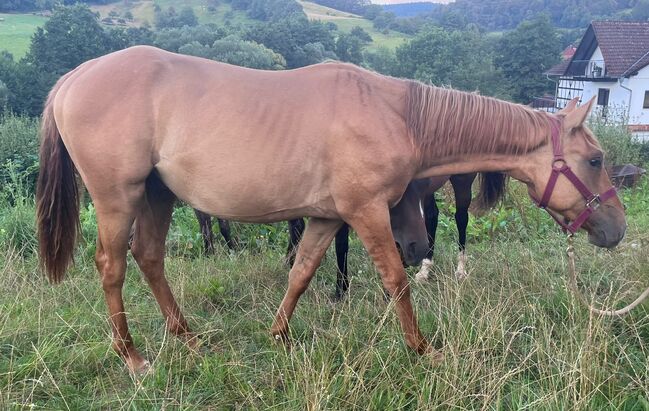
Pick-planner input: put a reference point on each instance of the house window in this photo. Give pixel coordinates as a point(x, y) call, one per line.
point(645, 103)
point(602, 97)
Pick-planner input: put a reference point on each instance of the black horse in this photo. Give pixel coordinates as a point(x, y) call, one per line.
point(420, 193)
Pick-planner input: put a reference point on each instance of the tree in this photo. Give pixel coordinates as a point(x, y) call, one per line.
point(174, 38)
point(71, 36)
point(349, 48)
point(4, 95)
point(383, 61)
point(169, 18)
point(187, 17)
point(290, 38)
point(524, 54)
point(459, 59)
point(361, 34)
point(234, 50)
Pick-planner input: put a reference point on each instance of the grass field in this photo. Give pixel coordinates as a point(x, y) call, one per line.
point(347, 21)
point(513, 337)
point(16, 31)
point(143, 11)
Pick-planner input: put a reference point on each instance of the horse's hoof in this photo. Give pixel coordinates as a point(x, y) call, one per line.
point(282, 338)
point(191, 341)
point(436, 357)
point(421, 277)
point(140, 369)
point(461, 275)
point(422, 274)
point(337, 297)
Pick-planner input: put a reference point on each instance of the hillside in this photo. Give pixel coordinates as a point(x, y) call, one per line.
point(346, 21)
point(411, 9)
point(16, 29)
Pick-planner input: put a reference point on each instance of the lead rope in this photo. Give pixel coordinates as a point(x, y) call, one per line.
point(572, 279)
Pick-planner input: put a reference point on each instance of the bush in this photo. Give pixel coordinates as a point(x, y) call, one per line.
point(17, 221)
point(620, 145)
point(18, 150)
point(18, 229)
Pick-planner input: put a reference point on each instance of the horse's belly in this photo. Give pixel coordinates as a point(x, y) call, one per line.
point(237, 192)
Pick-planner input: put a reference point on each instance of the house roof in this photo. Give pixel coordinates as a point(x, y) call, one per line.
point(559, 69)
point(624, 46)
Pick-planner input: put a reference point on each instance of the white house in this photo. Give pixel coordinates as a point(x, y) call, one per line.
point(611, 63)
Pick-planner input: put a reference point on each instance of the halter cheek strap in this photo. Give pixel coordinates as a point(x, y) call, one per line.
point(559, 166)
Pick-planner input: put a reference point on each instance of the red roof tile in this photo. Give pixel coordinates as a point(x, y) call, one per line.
point(624, 45)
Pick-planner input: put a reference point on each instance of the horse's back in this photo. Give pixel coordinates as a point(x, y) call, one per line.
point(235, 142)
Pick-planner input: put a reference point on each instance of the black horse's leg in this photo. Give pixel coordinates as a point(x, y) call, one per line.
point(205, 222)
point(431, 217)
point(342, 249)
point(224, 227)
point(462, 188)
point(295, 230)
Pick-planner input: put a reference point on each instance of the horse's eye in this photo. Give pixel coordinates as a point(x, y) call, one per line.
point(596, 162)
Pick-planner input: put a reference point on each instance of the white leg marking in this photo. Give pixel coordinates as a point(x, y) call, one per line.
point(461, 272)
point(422, 275)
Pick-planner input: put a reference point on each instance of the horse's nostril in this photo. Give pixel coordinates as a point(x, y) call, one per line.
point(412, 247)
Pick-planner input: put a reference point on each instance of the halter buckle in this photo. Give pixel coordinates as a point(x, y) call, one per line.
point(559, 163)
point(594, 202)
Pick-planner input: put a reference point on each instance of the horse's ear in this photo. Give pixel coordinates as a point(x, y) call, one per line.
point(569, 107)
point(576, 117)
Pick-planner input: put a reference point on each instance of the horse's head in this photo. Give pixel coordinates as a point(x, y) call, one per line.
point(568, 178)
point(408, 226)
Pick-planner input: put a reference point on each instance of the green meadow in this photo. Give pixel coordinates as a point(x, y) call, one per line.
point(513, 337)
point(16, 31)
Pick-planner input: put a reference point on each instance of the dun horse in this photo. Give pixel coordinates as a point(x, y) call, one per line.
point(333, 142)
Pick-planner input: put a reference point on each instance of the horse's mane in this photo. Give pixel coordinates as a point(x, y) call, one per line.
point(445, 122)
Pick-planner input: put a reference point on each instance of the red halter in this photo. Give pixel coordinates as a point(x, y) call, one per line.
point(559, 166)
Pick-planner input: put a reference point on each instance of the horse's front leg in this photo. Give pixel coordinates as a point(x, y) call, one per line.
point(315, 241)
point(372, 224)
point(462, 189)
point(431, 217)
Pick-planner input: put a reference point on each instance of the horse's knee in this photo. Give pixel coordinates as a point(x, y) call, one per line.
point(112, 275)
point(148, 261)
point(112, 272)
point(397, 287)
point(100, 260)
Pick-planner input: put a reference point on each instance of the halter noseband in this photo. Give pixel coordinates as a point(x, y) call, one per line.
point(559, 166)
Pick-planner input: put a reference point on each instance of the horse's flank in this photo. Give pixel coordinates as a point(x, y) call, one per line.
point(192, 119)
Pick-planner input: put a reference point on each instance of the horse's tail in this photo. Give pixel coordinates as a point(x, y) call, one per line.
point(492, 189)
point(57, 197)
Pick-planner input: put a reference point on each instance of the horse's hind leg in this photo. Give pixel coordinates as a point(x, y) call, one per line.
point(462, 189)
point(224, 227)
point(315, 241)
point(295, 231)
point(342, 249)
point(114, 223)
point(152, 225)
point(205, 223)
